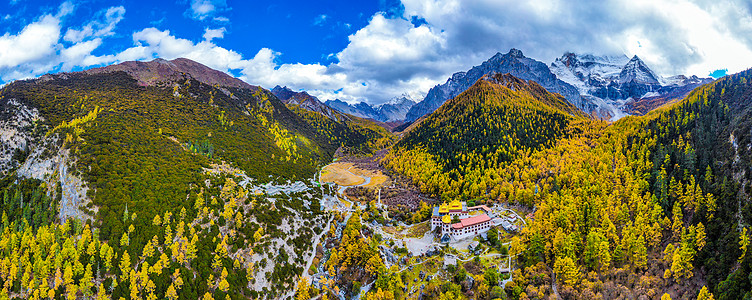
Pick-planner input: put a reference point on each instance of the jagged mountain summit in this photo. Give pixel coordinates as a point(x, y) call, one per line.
point(636, 71)
point(513, 62)
point(396, 109)
point(587, 71)
point(391, 111)
point(606, 87)
point(304, 100)
point(618, 86)
point(362, 109)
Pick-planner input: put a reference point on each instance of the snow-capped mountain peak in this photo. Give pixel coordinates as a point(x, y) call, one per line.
point(399, 100)
point(513, 62)
point(638, 72)
point(616, 84)
point(588, 70)
point(393, 110)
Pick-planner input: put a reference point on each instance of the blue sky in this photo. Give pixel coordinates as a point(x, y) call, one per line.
point(368, 50)
point(304, 31)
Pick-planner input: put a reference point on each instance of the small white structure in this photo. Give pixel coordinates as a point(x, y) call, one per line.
point(508, 226)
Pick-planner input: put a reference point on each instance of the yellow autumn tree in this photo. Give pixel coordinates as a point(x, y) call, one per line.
point(743, 243)
point(705, 294)
point(303, 286)
point(125, 263)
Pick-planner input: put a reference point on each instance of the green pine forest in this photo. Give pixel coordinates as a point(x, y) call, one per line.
point(161, 223)
point(643, 206)
point(638, 207)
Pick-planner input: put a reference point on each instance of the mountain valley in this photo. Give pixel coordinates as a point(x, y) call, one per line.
point(168, 179)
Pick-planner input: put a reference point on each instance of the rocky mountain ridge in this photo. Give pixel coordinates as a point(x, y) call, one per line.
point(606, 87)
point(513, 62)
point(616, 85)
point(304, 100)
point(393, 110)
point(161, 70)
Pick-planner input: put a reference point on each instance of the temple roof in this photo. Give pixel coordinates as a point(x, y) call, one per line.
point(455, 205)
point(471, 221)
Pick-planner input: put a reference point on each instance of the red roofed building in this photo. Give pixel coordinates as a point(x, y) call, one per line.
point(469, 227)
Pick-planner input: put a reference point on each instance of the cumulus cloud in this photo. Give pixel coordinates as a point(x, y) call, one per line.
point(210, 34)
point(202, 9)
point(153, 43)
point(79, 55)
point(101, 27)
point(412, 45)
point(36, 41)
point(38, 48)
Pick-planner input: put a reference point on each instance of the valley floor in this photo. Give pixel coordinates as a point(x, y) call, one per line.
point(411, 250)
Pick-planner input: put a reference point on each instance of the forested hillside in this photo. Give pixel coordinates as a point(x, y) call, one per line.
point(355, 136)
point(455, 151)
point(166, 184)
point(145, 146)
point(645, 206)
point(144, 182)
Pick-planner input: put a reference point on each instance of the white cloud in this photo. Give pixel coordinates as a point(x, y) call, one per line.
point(65, 8)
point(37, 48)
point(79, 55)
point(392, 49)
point(109, 19)
point(202, 9)
point(210, 34)
point(35, 42)
point(152, 43)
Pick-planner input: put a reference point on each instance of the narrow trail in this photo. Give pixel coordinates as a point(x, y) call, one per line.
point(553, 287)
point(316, 241)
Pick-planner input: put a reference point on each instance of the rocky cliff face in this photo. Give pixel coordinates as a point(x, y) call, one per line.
point(26, 148)
point(304, 100)
point(392, 111)
point(618, 86)
point(396, 109)
point(17, 124)
point(513, 62)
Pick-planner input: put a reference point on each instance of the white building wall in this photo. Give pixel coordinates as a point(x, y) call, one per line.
point(468, 231)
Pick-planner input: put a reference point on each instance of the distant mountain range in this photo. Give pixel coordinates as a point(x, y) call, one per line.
point(617, 86)
point(304, 100)
point(394, 110)
point(607, 87)
point(513, 62)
